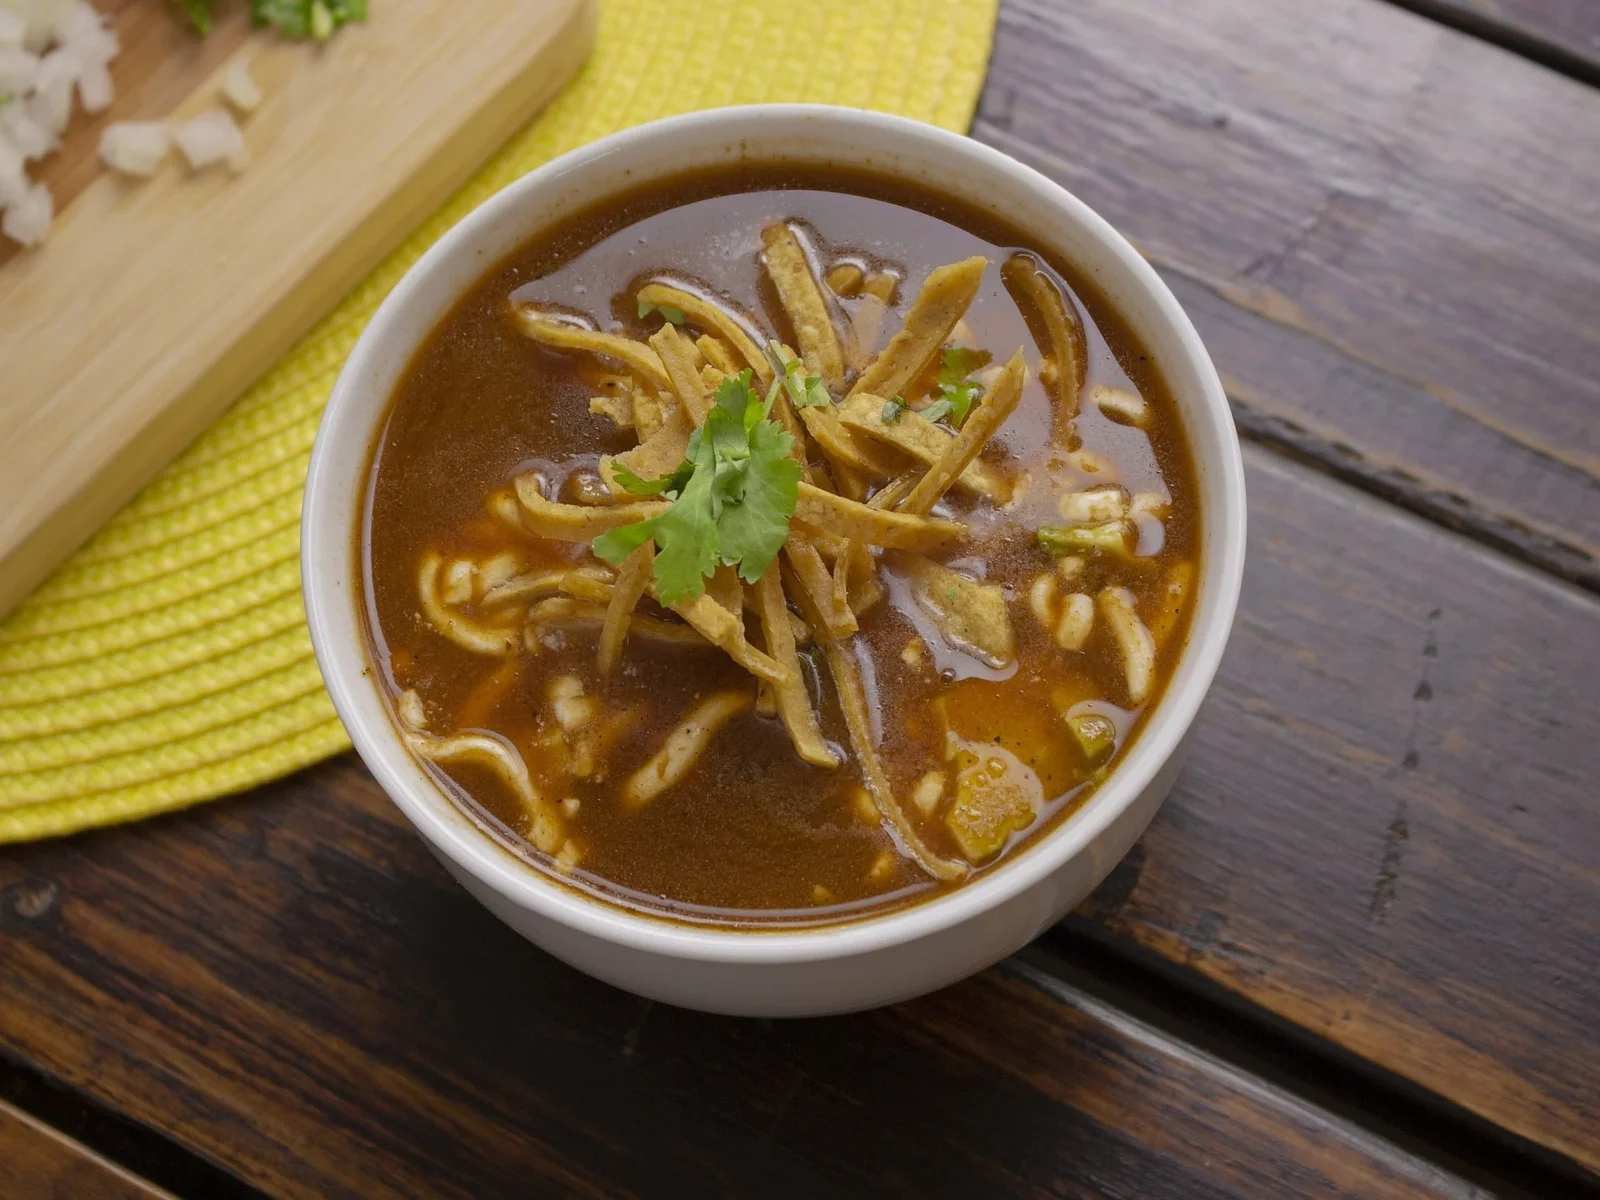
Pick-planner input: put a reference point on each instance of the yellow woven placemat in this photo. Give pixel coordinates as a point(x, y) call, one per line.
point(168, 662)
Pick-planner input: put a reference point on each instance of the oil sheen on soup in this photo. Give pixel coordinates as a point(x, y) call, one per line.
point(777, 545)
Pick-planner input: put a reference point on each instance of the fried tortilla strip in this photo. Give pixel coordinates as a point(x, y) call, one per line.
point(618, 407)
point(678, 356)
point(794, 705)
point(582, 585)
point(766, 699)
point(683, 747)
point(785, 260)
point(933, 314)
point(841, 577)
point(894, 491)
point(922, 440)
point(817, 581)
point(723, 628)
point(893, 530)
point(724, 587)
point(983, 422)
point(647, 415)
point(565, 613)
point(970, 614)
point(846, 451)
point(717, 353)
point(1038, 297)
point(575, 522)
point(865, 590)
point(560, 335)
point(633, 577)
point(713, 318)
point(659, 455)
point(858, 721)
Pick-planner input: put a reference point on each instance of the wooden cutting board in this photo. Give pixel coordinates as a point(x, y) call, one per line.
point(156, 302)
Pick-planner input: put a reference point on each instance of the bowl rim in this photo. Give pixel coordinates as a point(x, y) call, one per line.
point(474, 850)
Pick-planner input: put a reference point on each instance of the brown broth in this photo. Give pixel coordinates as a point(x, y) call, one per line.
point(753, 835)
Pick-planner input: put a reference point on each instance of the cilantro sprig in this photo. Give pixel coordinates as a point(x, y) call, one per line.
point(732, 498)
point(668, 313)
point(954, 390)
point(293, 18)
point(805, 391)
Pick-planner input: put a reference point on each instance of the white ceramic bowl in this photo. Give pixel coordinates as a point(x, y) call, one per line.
point(772, 972)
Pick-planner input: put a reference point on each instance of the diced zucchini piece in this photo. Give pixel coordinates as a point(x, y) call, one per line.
point(1110, 537)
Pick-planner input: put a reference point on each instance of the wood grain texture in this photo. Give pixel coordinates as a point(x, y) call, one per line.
point(154, 303)
point(1386, 231)
point(1563, 34)
point(39, 1163)
point(290, 985)
point(1387, 831)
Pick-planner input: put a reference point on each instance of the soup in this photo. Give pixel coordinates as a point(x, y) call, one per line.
point(777, 545)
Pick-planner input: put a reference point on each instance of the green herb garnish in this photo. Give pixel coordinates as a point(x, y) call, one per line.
point(672, 315)
point(953, 387)
point(293, 18)
point(732, 498)
point(892, 408)
point(805, 391)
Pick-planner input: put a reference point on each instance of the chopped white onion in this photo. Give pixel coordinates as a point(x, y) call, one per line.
point(239, 90)
point(52, 89)
point(13, 179)
point(28, 219)
point(17, 70)
point(94, 86)
point(212, 137)
point(134, 147)
point(84, 31)
point(49, 49)
point(12, 29)
point(32, 137)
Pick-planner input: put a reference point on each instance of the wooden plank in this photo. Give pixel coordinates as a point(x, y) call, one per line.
point(1385, 230)
point(103, 386)
point(41, 1163)
point(290, 985)
point(1386, 832)
point(1563, 34)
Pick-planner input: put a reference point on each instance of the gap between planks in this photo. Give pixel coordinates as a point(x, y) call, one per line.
point(1524, 41)
point(1415, 1129)
point(114, 1136)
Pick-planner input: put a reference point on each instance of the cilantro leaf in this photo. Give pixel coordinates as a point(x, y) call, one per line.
point(805, 391)
point(936, 411)
point(892, 408)
point(686, 534)
point(672, 315)
point(953, 386)
point(672, 484)
point(198, 12)
point(754, 529)
point(735, 494)
point(304, 18)
point(616, 544)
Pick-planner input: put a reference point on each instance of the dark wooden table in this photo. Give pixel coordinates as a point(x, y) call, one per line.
point(1357, 954)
